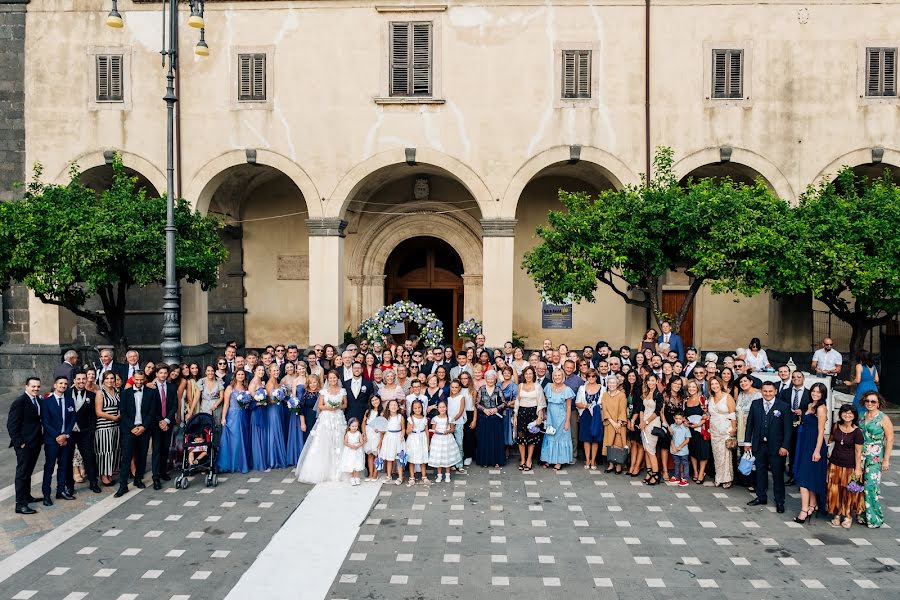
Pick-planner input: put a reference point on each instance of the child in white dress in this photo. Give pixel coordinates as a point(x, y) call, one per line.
point(392, 444)
point(353, 458)
point(417, 443)
point(373, 437)
point(444, 451)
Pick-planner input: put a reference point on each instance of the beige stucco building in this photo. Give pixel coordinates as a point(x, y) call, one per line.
point(313, 151)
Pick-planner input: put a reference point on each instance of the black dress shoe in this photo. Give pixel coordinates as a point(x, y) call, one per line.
point(47, 501)
point(139, 484)
point(64, 495)
point(790, 481)
point(165, 477)
point(25, 510)
point(95, 488)
point(779, 508)
point(33, 499)
point(157, 485)
point(757, 502)
point(120, 492)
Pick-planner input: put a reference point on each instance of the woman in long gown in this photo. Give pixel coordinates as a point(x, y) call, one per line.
point(722, 425)
point(491, 450)
point(320, 459)
point(296, 387)
point(878, 439)
point(556, 448)
point(811, 462)
point(614, 412)
point(259, 427)
point(106, 436)
point(232, 451)
point(277, 449)
point(590, 423)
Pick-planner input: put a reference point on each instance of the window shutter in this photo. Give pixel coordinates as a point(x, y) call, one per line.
point(735, 74)
point(584, 74)
point(245, 83)
point(421, 63)
point(569, 74)
point(399, 59)
point(115, 77)
point(890, 72)
point(102, 78)
point(259, 76)
point(719, 79)
point(873, 72)
point(252, 77)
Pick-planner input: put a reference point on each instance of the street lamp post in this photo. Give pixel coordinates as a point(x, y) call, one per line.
point(171, 330)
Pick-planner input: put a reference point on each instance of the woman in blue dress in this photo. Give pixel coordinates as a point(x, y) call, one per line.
point(491, 449)
point(309, 404)
point(510, 389)
point(277, 447)
point(259, 426)
point(866, 378)
point(557, 447)
point(295, 386)
point(590, 424)
point(811, 462)
point(232, 450)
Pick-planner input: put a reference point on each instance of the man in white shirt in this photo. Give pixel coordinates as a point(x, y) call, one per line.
point(347, 369)
point(416, 394)
point(133, 363)
point(827, 360)
point(456, 413)
point(784, 374)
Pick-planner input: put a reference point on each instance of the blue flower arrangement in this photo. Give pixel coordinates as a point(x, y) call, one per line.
point(242, 398)
point(279, 395)
point(469, 329)
point(260, 396)
point(431, 329)
point(293, 404)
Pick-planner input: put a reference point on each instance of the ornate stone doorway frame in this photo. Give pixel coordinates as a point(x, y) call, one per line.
point(366, 265)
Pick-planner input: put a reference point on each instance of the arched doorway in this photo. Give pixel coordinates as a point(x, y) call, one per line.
point(428, 271)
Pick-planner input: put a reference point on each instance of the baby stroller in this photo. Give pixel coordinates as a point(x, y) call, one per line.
point(201, 435)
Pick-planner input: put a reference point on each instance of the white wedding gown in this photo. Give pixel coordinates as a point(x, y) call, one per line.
point(320, 459)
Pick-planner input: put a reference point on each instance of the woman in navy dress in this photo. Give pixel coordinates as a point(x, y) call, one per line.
point(811, 465)
point(296, 386)
point(590, 424)
point(259, 426)
point(510, 390)
point(491, 449)
point(277, 448)
point(309, 404)
point(232, 450)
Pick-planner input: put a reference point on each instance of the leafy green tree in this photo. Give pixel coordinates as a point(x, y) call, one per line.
point(717, 231)
point(846, 250)
point(68, 243)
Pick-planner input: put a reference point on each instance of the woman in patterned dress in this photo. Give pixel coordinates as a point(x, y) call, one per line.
point(878, 439)
point(106, 437)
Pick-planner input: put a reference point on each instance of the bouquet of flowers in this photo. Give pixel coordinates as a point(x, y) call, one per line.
point(469, 329)
point(431, 329)
point(333, 402)
point(855, 486)
point(260, 396)
point(242, 398)
point(279, 395)
point(293, 404)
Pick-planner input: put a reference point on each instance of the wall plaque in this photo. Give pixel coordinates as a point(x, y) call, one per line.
point(292, 266)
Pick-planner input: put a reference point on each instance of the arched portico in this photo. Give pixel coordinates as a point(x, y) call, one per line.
point(737, 159)
point(102, 158)
point(861, 156)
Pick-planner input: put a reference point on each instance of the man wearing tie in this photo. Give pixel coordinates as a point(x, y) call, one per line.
point(139, 412)
point(672, 339)
point(784, 375)
point(57, 419)
point(162, 433)
point(798, 398)
point(358, 393)
point(82, 436)
point(132, 364)
point(768, 434)
point(25, 436)
point(230, 353)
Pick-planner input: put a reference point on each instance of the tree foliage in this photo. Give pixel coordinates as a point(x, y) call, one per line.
point(717, 231)
point(68, 243)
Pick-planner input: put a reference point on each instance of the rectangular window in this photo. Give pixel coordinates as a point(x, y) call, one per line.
point(109, 78)
point(252, 77)
point(576, 74)
point(410, 60)
point(881, 72)
point(727, 74)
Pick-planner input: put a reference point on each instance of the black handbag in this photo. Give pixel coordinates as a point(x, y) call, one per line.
point(617, 455)
point(659, 432)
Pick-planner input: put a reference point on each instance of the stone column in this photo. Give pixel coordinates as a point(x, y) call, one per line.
point(368, 297)
point(471, 297)
point(326, 280)
point(497, 291)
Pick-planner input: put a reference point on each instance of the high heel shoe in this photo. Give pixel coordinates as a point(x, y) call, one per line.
point(805, 518)
point(653, 479)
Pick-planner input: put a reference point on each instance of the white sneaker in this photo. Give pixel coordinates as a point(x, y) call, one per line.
point(439, 477)
point(447, 478)
point(467, 462)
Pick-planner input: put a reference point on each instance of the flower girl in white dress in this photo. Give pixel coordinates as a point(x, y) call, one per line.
point(320, 459)
point(417, 443)
point(392, 441)
point(353, 457)
point(444, 451)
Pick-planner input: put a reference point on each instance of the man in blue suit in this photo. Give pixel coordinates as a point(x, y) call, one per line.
point(57, 419)
point(768, 434)
point(671, 338)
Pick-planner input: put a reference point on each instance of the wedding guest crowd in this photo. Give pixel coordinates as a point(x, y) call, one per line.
point(662, 411)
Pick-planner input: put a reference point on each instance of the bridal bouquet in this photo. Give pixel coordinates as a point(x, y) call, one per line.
point(260, 396)
point(333, 402)
point(279, 395)
point(242, 398)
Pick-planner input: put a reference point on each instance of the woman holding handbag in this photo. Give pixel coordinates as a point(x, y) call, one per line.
point(615, 416)
point(698, 419)
point(722, 428)
point(651, 426)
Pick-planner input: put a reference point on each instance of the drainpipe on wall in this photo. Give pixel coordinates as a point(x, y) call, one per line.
point(648, 149)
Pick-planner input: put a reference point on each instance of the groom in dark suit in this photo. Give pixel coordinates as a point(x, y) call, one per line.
point(768, 434)
point(139, 410)
point(358, 393)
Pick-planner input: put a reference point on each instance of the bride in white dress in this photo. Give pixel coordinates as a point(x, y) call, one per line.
point(320, 459)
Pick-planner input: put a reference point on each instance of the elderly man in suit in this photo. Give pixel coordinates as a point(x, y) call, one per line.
point(26, 436)
point(108, 364)
point(67, 367)
point(139, 412)
point(768, 434)
point(57, 420)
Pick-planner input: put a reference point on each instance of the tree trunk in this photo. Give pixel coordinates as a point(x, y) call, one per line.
point(859, 329)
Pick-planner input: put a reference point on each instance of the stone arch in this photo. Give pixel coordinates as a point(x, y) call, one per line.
point(379, 164)
point(600, 161)
point(135, 162)
point(367, 261)
point(860, 156)
point(209, 177)
point(770, 172)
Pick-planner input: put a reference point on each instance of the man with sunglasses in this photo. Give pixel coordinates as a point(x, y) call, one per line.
point(827, 360)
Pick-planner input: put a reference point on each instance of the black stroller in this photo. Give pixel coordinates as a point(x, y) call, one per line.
point(201, 441)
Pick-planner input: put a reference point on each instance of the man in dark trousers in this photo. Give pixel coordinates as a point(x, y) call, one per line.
point(82, 436)
point(358, 393)
point(26, 436)
point(139, 410)
point(768, 434)
point(57, 420)
point(162, 432)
